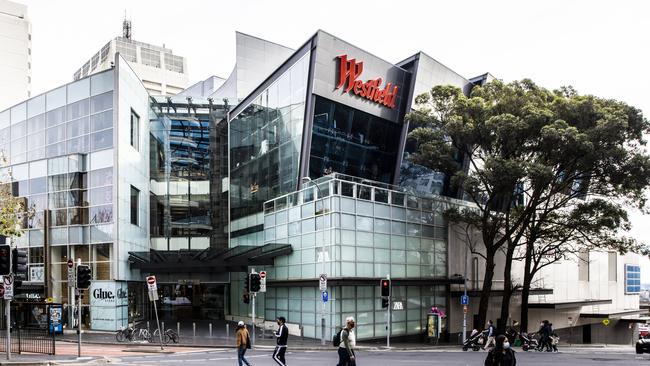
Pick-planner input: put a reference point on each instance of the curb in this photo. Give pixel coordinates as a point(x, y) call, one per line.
point(94, 359)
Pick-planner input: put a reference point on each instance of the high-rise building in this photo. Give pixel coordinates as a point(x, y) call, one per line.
point(161, 72)
point(15, 53)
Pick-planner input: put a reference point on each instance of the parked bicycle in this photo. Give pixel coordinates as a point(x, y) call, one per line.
point(169, 336)
point(132, 334)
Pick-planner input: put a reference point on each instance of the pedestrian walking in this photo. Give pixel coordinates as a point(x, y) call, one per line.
point(347, 344)
point(490, 333)
point(282, 335)
point(502, 354)
point(243, 342)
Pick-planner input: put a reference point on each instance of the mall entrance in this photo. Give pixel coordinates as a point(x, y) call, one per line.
point(181, 302)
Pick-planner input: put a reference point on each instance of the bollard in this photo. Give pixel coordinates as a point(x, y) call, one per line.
point(210, 331)
point(193, 329)
point(178, 328)
point(162, 327)
point(227, 331)
point(148, 330)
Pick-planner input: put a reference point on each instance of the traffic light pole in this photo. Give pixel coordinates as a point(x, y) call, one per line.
point(388, 320)
point(78, 297)
point(8, 313)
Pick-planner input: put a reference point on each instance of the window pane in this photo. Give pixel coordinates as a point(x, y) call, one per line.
point(99, 214)
point(101, 102)
point(101, 140)
point(135, 205)
point(101, 196)
point(78, 127)
point(101, 121)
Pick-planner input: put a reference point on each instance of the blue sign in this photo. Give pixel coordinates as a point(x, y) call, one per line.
point(464, 300)
point(325, 296)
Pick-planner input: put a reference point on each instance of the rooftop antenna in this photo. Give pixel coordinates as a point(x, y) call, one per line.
point(126, 27)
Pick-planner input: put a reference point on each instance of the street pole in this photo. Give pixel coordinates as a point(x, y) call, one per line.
point(155, 309)
point(253, 302)
point(8, 312)
point(388, 320)
point(465, 293)
point(78, 322)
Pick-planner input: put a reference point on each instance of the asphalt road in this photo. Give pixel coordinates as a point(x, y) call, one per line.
point(383, 357)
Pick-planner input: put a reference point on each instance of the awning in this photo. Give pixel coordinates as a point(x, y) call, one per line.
point(615, 314)
point(568, 304)
point(499, 293)
point(209, 260)
point(639, 318)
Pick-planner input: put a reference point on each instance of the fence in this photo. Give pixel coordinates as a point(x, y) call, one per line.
point(30, 340)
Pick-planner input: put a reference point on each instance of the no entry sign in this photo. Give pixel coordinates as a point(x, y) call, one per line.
point(151, 283)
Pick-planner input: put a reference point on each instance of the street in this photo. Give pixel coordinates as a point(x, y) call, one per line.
point(382, 357)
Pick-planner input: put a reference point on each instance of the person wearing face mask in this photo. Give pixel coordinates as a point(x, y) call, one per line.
point(502, 354)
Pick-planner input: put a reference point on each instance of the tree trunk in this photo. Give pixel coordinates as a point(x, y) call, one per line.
point(486, 289)
point(507, 289)
point(525, 290)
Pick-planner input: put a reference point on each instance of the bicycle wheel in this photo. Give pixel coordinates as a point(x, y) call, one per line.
point(146, 335)
point(173, 335)
point(120, 336)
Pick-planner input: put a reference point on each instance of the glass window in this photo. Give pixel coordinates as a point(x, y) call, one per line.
point(78, 90)
point(101, 196)
point(101, 177)
point(5, 119)
point(78, 109)
point(38, 185)
point(19, 113)
point(102, 82)
point(135, 206)
point(135, 130)
point(101, 121)
point(55, 134)
point(101, 140)
point(78, 216)
point(79, 145)
point(54, 117)
point(59, 217)
point(101, 102)
point(101, 233)
point(35, 106)
point(364, 223)
point(100, 214)
point(56, 98)
point(18, 130)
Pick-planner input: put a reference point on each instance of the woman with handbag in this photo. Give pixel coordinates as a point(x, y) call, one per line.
point(243, 342)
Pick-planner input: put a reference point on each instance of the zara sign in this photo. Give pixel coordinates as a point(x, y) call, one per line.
point(349, 73)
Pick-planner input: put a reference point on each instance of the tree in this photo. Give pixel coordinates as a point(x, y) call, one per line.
point(14, 211)
point(529, 150)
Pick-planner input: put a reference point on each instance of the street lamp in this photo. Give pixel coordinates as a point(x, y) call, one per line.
point(321, 197)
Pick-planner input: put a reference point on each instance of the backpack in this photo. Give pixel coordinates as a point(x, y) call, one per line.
point(336, 339)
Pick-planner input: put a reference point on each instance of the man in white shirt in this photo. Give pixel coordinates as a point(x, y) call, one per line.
point(347, 345)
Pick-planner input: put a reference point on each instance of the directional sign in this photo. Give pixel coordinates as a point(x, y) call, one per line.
point(464, 300)
point(262, 281)
point(325, 296)
point(323, 282)
point(8, 282)
point(151, 283)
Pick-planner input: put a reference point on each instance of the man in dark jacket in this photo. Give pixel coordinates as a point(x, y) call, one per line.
point(282, 335)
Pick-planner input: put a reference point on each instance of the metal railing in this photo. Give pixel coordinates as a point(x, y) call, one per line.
point(29, 340)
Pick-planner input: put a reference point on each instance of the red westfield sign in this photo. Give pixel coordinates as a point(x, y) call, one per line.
point(350, 70)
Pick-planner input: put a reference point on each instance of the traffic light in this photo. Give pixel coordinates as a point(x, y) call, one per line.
point(384, 302)
point(256, 282)
point(84, 276)
point(5, 260)
point(385, 287)
point(19, 261)
point(247, 285)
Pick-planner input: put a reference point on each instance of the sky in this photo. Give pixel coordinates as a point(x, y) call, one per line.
point(598, 47)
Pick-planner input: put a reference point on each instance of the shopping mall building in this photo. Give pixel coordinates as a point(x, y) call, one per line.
point(296, 164)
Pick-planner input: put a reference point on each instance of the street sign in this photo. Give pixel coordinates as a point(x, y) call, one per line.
point(398, 305)
point(464, 300)
point(325, 296)
point(323, 282)
point(151, 283)
point(605, 322)
point(8, 282)
point(262, 281)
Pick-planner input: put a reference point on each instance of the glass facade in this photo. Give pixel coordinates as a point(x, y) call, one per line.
point(354, 230)
point(58, 147)
point(181, 164)
point(265, 142)
point(352, 142)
